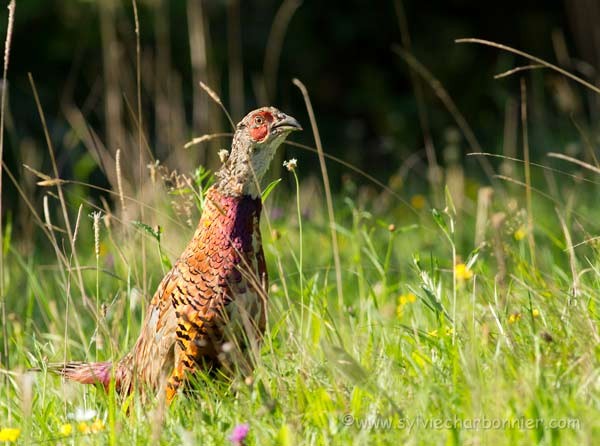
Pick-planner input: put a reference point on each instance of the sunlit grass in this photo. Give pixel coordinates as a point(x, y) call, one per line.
point(429, 339)
point(390, 321)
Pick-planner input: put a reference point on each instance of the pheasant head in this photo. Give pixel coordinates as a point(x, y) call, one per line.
point(255, 142)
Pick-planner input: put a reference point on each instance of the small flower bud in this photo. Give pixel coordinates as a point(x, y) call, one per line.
point(291, 164)
point(223, 155)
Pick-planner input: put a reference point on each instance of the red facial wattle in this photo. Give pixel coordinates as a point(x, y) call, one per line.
point(259, 127)
point(259, 133)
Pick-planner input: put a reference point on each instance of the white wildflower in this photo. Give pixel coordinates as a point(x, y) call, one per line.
point(82, 414)
point(291, 164)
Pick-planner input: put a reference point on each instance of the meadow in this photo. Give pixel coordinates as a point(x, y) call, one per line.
point(440, 306)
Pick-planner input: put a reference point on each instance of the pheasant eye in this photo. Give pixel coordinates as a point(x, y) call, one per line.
point(259, 120)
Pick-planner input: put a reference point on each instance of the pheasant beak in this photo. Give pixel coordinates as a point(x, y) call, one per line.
point(286, 123)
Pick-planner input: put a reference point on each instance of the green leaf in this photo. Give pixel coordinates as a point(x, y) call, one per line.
point(148, 229)
point(165, 261)
point(269, 189)
point(7, 234)
point(432, 289)
point(449, 202)
point(203, 178)
point(183, 191)
point(439, 219)
point(473, 257)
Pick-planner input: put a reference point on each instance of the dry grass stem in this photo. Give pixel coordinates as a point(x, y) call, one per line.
point(518, 70)
point(62, 200)
point(443, 96)
point(235, 59)
point(141, 162)
point(96, 218)
point(527, 167)
point(204, 138)
point(533, 58)
point(215, 97)
point(574, 161)
point(120, 180)
point(434, 177)
point(571, 252)
point(9, 32)
point(334, 241)
point(357, 170)
point(541, 166)
point(484, 203)
point(274, 46)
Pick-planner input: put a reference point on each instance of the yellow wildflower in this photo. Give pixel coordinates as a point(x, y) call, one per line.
point(9, 434)
point(447, 331)
point(514, 317)
point(66, 430)
point(520, 233)
point(83, 427)
point(462, 271)
point(403, 300)
point(407, 298)
point(535, 312)
point(97, 425)
point(418, 201)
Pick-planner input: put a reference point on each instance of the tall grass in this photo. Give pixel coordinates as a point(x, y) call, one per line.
point(7, 44)
point(388, 323)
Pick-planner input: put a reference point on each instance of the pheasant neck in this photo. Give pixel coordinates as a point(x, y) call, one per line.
point(246, 166)
point(238, 180)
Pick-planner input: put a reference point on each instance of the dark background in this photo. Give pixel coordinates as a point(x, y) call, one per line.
point(83, 53)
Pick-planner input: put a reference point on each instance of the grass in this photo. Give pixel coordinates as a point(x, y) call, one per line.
point(467, 317)
point(431, 338)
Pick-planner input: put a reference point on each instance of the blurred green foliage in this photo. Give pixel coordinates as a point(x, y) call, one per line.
point(361, 91)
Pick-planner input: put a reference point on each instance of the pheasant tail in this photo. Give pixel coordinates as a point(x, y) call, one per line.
point(85, 372)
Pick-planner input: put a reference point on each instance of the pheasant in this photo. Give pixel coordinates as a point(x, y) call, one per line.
point(214, 297)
